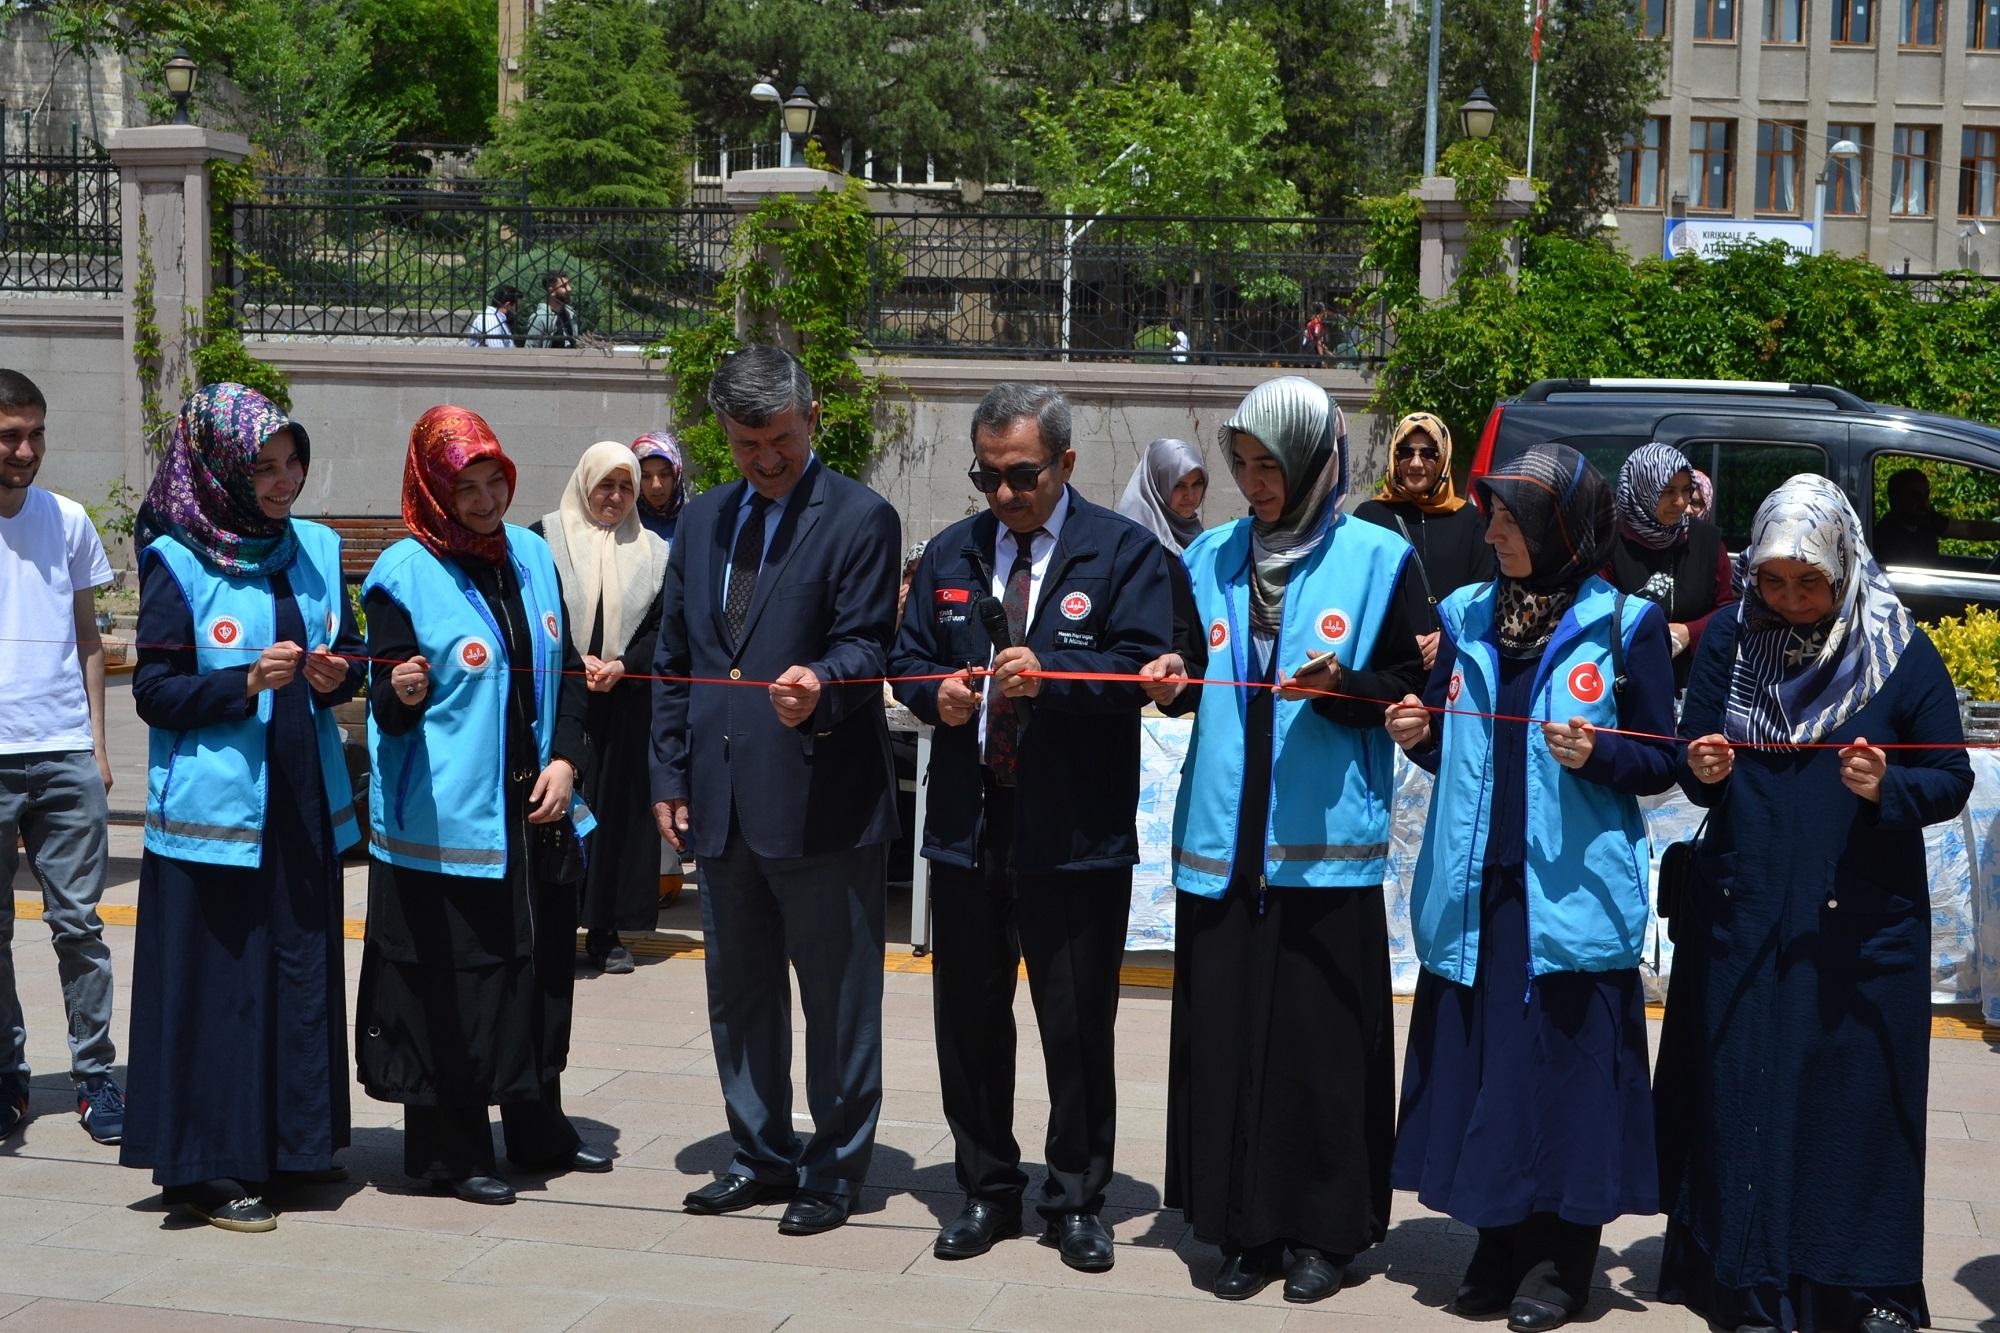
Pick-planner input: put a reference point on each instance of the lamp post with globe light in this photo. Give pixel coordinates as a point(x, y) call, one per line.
point(1837, 157)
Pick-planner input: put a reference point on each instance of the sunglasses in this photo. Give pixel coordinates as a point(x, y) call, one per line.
point(1404, 453)
point(1020, 478)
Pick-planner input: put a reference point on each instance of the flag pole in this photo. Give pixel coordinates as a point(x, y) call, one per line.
point(1534, 84)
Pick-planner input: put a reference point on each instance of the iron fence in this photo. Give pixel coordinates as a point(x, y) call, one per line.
point(1934, 287)
point(59, 227)
point(340, 258)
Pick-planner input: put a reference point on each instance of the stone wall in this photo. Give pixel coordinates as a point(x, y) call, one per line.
point(96, 96)
point(74, 351)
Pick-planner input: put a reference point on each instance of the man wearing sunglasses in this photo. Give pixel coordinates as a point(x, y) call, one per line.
point(1034, 784)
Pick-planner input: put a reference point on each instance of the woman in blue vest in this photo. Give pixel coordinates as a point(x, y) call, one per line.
point(1795, 1061)
point(239, 1029)
point(476, 703)
point(1281, 1092)
point(1526, 1110)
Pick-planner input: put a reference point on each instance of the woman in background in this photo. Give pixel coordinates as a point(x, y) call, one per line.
point(1417, 502)
point(1666, 555)
point(661, 475)
point(1164, 496)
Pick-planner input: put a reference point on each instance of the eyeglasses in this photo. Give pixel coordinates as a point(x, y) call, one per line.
point(1020, 478)
point(1404, 453)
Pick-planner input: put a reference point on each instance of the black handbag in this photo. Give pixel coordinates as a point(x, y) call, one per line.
point(1676, 891)
point(557, 853)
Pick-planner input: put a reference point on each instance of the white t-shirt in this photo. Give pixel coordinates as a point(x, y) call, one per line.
point(48, 552)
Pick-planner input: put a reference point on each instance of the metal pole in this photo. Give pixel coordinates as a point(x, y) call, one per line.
point(1534, 82)
point(1819, 210)
point(1431, 93)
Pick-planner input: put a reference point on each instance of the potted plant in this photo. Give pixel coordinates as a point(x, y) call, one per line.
point(1970, 646)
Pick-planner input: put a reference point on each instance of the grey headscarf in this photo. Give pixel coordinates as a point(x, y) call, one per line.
point(1148, 496)
point(1307, 433)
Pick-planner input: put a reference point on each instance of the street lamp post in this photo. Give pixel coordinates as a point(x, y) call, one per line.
point(180, 73)
point(1477, 114)
point(1839, 155)
point(800, 113)
point(763, 91)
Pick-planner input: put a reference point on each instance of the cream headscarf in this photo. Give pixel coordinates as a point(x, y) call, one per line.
point(620, 567)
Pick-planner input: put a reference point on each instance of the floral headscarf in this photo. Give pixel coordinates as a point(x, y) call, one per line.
point(662, 444)
point(1646, 473)
point(205, 492)
point(445, 442)
point(1563, 507)
point(1442, 499)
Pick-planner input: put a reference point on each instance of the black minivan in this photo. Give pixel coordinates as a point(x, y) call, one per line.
point(1748, 436)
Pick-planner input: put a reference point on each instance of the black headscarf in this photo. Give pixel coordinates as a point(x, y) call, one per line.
point(1564, 509)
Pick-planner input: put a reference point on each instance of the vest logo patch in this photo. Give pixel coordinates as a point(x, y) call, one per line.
point(474, 654)
point(553, 626)
point(1456, 688)
point(1333, 625)
point(332, 627)
point(1218, 634)
point(224, 631)
point(1586, 683)
point(1076, 606)
point(953, 596)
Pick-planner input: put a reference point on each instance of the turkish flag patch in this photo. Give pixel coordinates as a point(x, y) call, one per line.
point(956, 596)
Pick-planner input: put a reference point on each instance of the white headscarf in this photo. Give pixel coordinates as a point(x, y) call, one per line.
point(621, 568)
point(1148, 498)
point(1797, 684)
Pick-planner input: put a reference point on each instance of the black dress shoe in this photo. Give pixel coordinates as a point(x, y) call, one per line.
point(1243, 1274)
point(1528, 1315)
point(1313, 1276)
point(973, 1232)
point(589, 1159)
point(1085, 1244)
point(1879, 1320)
point(732, 1194)
point(477, 1189)
point(811, 1212)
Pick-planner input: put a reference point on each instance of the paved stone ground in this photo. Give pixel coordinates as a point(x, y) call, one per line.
point(85, 1244)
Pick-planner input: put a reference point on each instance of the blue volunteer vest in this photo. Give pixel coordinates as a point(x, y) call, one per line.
point(206, 788)
point(1329, 820)
point(436, 794)
point(1587, 856)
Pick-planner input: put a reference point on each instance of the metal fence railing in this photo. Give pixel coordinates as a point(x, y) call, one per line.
point(1930, 287)
point(358, 258)
point(59, 227)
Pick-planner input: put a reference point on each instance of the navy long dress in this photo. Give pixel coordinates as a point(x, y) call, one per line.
point(238, 1064)
point(1795, 1063)
point(1523, 1099)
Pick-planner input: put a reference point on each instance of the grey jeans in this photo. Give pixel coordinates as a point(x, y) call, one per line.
point(55, 802)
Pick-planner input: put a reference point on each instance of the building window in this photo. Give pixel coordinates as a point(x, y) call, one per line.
point(1913, 177)
point(1785, 21)
point(1847, 177)
point(1778, 161)
point(1715, 20)
point(1979, 174)
point(1652, 17)
point(1639, 165)
point(1851, 23)
point(1982, 25)
point(1711, 173)
point(1920, 22)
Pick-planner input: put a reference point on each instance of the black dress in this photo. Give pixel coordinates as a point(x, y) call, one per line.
point(1689, 581)
point(238, 1064)
point(1451, 548)
point(621, 884)
point(466, 984)
point(1281, 1086)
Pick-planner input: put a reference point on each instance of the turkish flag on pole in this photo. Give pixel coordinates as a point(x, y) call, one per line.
point(1535, 50)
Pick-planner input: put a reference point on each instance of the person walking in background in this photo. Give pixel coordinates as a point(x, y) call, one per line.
point(611, 571)
point(239, 1070)
point(1795, 1061)
point(1417, 501)
point(1701, 502)
point(1526, 1111)
point(1281, 1087)
point(1164, 497)
point(661, 473)
point(476, 705)
point(54, 771)
point(1033, 788)
point(553, 324)
point(494, 326)
point(1663, 553)
point(785, 795)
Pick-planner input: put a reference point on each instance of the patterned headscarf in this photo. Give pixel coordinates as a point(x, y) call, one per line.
point(205, 492)
point(662, 444)
point(1704, 496)
point(1793, 685)
point(1307, 433)
point(1563, 507)
point(1441, 499)
point(1646, 473)
point(445, 442)
point(1148, 495)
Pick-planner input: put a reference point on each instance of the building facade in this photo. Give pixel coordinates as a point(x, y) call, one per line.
point(1758, 91)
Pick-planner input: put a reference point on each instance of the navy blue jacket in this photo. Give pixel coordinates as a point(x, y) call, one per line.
point(826, 599)
point(1104, 605)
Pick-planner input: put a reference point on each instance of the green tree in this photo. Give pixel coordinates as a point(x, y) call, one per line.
point(434, 64)
point(602, 124)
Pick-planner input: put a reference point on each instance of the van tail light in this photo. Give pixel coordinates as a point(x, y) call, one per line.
point(1482, 457)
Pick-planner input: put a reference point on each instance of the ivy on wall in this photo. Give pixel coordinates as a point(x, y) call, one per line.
point(217, 351)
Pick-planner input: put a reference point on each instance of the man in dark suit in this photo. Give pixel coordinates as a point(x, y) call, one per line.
point(1034, 784)
point(783, 794)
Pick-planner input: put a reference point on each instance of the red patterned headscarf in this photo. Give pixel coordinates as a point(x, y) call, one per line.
point(445, 442)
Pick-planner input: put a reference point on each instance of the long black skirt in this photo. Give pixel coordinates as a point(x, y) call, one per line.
point(1281, 1092)
point(621, 886)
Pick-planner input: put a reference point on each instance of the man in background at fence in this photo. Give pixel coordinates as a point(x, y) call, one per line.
point(553, 324)
point(53, 769)
point(783, 793)
point(495, 325)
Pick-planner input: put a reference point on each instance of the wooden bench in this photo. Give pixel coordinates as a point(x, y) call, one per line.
point(362, 539)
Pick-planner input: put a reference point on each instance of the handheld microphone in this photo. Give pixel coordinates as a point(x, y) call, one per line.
point(993, 617)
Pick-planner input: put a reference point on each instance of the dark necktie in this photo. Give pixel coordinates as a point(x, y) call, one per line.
point(1003, 723)
point(744, 562)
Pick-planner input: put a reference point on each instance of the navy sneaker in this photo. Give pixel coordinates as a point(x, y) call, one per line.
point(101, 1104)
point(13, 1104)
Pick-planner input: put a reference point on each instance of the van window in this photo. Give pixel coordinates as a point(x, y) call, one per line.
point(1747, 471)
point(1934, 513)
